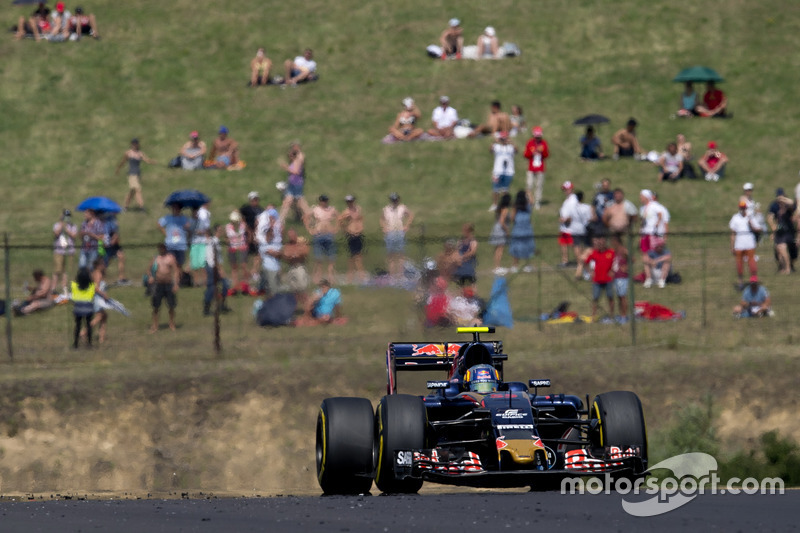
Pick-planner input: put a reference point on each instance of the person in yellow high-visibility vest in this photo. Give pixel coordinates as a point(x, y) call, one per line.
point(83, 304)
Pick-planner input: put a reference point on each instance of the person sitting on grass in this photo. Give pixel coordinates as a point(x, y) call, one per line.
point(444, 118)
point(657, 264)
point(452, 39)
point(689, 102)
point(625, 142)
point(497, 121)
point(324, 307)
point(488, 47)
point(713, 163)
point(591, 147)
point(193, 152)
point(303, 68)
point(37, 26)
point(259, 69)
point(81, 24)
point(404, 127)
point(670, 164)
point(39, 297)
point(715, 103)
point(224, 151)
point(756, 302)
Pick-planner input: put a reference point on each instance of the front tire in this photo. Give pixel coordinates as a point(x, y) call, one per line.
point(621, 421)
point(345, 446)
point(400, 423)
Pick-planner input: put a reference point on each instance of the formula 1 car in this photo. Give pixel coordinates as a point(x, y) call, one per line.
point(474, 429)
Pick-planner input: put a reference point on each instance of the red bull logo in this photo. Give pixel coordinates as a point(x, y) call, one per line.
point(452, 349)
point(428, 349)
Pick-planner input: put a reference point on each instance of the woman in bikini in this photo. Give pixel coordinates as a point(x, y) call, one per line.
point(404, 127)
point(259, 69)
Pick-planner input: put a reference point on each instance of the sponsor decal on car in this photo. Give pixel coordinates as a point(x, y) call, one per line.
point(515, 426)
point(427, 349)
point(404, 458)
point(500, 442)
point(511, 413)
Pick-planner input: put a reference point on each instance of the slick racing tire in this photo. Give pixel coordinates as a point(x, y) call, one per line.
point(345, 446)
point(400, 423)
point(620, 421)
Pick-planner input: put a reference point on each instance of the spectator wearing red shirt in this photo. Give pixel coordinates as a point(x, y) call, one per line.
point(536, 151)
point(603, 279)
point(713, 163)
point(714, 102)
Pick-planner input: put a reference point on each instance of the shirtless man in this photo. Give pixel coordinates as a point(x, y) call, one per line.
point(352, 220)
point(452, 39)
point(496, 122)
point(619, 215)
point(625, 142)
point(39, 295)
point(321, 224)
point(294, 253)
point(224, 151)
point(164, 278)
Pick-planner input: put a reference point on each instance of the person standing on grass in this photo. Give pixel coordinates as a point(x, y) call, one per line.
point(499, 234)
point(82, 290)
point(522, 245)
point(536, 151)
point(250, 212)
point(92, 232)
point(100, 317)
point(164, 277)
point(321, 224)
point(352, 220)
point(236, 233)
point(603, 279)
point(114, 248)
point(396, 220)
point(64, 233)
point(621, 269)
point(295, 182)
point(503, 168)
point(743, 242)
point(134, 157)
point(175, 228)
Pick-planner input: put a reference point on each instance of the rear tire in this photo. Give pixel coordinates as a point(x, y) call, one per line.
point(400, 423)
point(621, 421)
point(345, 446)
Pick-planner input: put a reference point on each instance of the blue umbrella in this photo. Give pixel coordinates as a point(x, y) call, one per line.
point(187, 198)
point(101, 204)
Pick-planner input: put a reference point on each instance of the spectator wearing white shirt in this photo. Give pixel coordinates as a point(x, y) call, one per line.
point(743, 242)
point(565, 217)
point(302, 68)
point(444, 119)
point(655, 220)
point(670, 164)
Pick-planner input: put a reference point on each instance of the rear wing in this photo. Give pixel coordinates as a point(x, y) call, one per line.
point(432, 356)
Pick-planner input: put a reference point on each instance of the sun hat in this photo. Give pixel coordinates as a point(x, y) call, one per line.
point(748, 186)
point(489, 31)
point(235, 216)
point(408, 102)
point(647, 193)
point(454, 22)
point(567, 186)
point(443, 99)
point(349, 198)
point(252, 195)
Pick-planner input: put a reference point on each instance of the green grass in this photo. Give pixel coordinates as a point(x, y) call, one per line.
point(163, 69)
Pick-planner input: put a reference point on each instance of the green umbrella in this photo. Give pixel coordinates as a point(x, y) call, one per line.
point(698, 73)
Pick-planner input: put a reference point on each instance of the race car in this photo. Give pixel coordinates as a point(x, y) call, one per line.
point(474, 428)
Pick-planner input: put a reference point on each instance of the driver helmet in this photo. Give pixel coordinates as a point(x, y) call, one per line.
point(482, 379)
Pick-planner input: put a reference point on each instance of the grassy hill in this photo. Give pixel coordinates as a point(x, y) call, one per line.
point(163, 69)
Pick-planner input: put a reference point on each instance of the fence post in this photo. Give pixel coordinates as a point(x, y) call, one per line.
point(9, 311)
point(703, 285)
point(217, 300)
point(631, 292)
point(539, 324)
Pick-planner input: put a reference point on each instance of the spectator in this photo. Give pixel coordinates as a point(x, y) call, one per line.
point(447, 262)
point(91, 233)
point(715, 103)
point(224, 151)
point(466, 309)
point(536, 151)
point(670, 164)
point(621, 277)
point(581, 232)
point(99, 319)
point(625, 142)
point(164, 277)
point(657, 264)
point(193, 153)
point(619, 216)
point(685, 151)
point(302, 69)
point(296, 169)
point(565, 217)
point(517, 120)
point(64, 234)
point(236, 233)
point(465, 273)
point(114, 249)
point(325, 305)
point(497, 122)
point(688, 101)
point(499, 234)
point(321, 224)
point(444, 119)
point(452, 40)
point(655, 221)
point(784, 231)
point(39, 296)
point(591, 147)
point(175, 228)
point(60, 23)
point(503, 168)
point(215, 273)
point(259, 69)
point(713, 163)
point(603, 279)
point(200, 232)
point(294, 253)
point(82, 290)
point(488, 47)
point(352, 220)
point(522, 245)
point(134, 157)
point(602, 198)
point(396, 220)
point(743, 242)
point(37, 26)
point(81, 24)
point(405, 124)
point(756, 301)
point(269, 236)
point(753, 211)
point(437, 305)
point(250, 212)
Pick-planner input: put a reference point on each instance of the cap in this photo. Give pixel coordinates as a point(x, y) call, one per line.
point(753, 279)
point(408, 102)
point(454, 22)
point(223, 129)
point(66, 212)
point(79, 10)
point(711, 145)
point(567, 186)
point(647, 193)
point(489, 31)
point(742, 205)
point(349, 198)
point(235, 216)
point(194, 135)
point(779, 191)
point(394, 197)
point(537, 131)
point(134, 141)
point(443, 99)
point(323, 197)
point(60, 7)
point(748, 186)
point(252, 195)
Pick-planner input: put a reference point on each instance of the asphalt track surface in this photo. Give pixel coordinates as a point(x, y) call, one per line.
point(439, 512)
